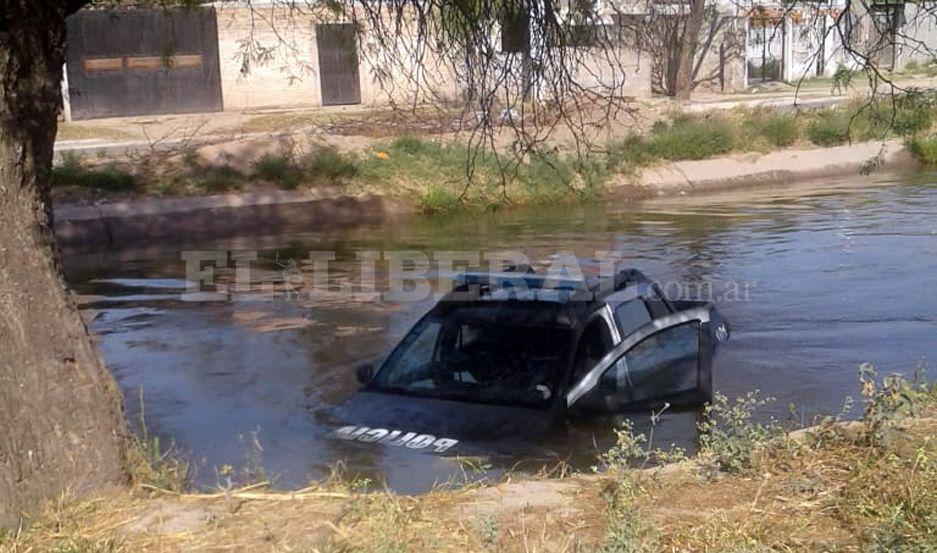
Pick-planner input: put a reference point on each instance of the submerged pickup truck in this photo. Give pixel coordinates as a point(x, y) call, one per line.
point(506, 356)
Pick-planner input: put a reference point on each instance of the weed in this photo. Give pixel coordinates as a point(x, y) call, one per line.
point(889, 403)
point(628, 155)
point(278, 169)
point(628, 448)
point(489, 531)
point(326, 164)
point(893, 500)
point(689, 137)
point(729, 435)
point(412, 145)
point(829, 127)
point(72, 171)
point(628, 531)
point(779, 130)
point(149, 463)
point(437, 198)
point(924, 150)
point(908, 115)
point(218, 179)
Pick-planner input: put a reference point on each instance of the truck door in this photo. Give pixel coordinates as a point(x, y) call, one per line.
point(666, 360)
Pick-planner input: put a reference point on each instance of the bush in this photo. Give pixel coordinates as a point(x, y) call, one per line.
point(908, 115)
point(277, 169)
point(924, 150)
point(829, 128)
point(778, 129)
point(689, 137)
point(217, 179)
point(412, 145)
point(73, 172)
point(327, 164)
point(629, 155)
point(437, 198)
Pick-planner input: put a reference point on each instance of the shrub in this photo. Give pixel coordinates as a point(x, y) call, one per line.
point(924, 150)
point(277, 169)
point(689, 137)
point(328, 164)
point(829, 128)
point(908, 115)
point(778, 129)
point(629, 155)
point(73, 172)
point(412, 145)
point(217, 179)
point(437, 198)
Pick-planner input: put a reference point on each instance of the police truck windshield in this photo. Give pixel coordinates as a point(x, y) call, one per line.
point(479, 359)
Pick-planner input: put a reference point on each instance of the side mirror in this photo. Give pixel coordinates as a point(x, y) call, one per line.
point(365, 373)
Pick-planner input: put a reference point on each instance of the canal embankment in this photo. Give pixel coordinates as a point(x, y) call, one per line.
point(252, 184)
point(868, 485)
point(175, 219)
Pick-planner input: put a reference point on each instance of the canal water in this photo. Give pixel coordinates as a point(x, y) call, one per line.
point(833, 274)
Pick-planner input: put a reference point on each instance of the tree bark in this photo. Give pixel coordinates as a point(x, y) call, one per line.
point(61, 420)
point(683, 82)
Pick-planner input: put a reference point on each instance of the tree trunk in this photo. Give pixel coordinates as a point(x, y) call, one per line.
point(61, 420)
point(683, 85)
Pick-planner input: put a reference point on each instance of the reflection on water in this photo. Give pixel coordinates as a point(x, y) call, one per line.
point(840, 274)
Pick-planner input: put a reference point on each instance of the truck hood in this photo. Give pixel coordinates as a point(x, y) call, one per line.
point(438, 426)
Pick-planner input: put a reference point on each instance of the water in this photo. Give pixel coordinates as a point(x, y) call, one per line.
point(838, 274)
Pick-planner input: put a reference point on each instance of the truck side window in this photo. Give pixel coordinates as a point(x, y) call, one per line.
point(631, 316)
point(662, 363)
point(595, 342)
point(656, 307)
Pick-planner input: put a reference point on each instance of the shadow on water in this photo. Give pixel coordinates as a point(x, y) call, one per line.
point(838, 274)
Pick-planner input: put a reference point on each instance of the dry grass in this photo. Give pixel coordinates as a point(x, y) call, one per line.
point(547, 515)
point(86, 131)
point(863, 486)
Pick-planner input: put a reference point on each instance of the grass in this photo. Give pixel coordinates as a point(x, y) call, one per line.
point(277, 169)
point(869, 485)
point(328, 165)
point(441, 177)
point(149, 463)
point(906, 116)
point(85, 131)
point(924, 150)
point(437, 174)
point(779, 130)
point(73, 171)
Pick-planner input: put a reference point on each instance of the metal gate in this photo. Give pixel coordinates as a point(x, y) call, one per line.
point(765, 51)
point(137, 62)
point(338, 64)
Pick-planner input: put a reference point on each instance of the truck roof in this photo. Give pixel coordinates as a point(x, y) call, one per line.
point(561, 299)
